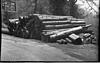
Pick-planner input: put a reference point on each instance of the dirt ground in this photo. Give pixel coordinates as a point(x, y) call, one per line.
point(18, 49)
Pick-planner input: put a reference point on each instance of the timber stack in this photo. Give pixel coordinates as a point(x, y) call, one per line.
point(50, 28)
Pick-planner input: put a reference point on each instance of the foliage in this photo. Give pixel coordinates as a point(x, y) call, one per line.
point(87, 8)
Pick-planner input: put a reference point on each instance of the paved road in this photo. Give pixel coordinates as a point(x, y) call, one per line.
point(18, 49)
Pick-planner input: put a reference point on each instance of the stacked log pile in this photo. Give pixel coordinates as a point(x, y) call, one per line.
point(64, 29)
point(50, 28)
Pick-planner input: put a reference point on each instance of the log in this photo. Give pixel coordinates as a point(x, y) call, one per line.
point(54, 30)
point(59, 41)
point(13, 20)
point(64, 41)
point(55, 22)
point(68, 40)
point(51, 17)
point(62, 22)
point(62, 26)
point(78, 22)
point(75, 19)
point(50, 32)
point(67, 32)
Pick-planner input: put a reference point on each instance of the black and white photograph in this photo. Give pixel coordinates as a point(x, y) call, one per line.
point(50, 30)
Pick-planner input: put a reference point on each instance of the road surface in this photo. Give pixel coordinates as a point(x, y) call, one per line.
point(19, 49)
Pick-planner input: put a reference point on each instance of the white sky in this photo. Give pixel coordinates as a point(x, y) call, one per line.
point(82, 4)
